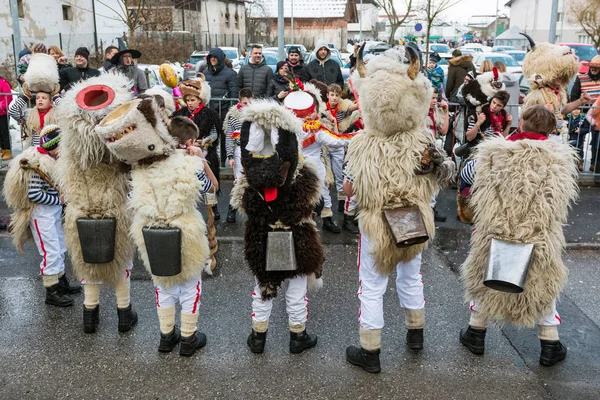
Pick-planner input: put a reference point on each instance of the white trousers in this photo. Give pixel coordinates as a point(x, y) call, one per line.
point(296, 302)
point(49, 236)
point(551, 320)
point(372, 286)
point(350, 205)
point(187, 294)
point(336, 156)
point(237, 157)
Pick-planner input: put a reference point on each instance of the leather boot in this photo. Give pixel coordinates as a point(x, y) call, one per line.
point(169, 341)
point(216, 212)
point(301, 341)
point(66, 287)
point(231, 215)
point(341, 204)
point(256, 341)
point(55, 297)
point(6, 155)
point(91, 319)
point(473, 339)
point(189, 344)
point(414, 339)
point(127, 319)
point(553, 351)
point(367, 360)
point(330, 226)
point(349, 225)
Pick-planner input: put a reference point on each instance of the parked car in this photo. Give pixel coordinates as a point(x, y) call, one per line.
point(437, 48)
point(473, 47)
point(503, 48)
point(345, 70)
point(197, 56)
point(271, 58)
point(233, 54)
point(518, 55)
point(585, 53)
point(512, 66)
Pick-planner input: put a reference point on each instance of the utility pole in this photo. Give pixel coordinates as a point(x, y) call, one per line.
point(292, 23)
point(280, 30)
point(496, 23)
point(553, 13)
point(95, 28)
point(360, 22)
point(14, 11)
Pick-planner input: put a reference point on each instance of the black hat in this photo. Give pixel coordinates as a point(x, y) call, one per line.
point(83, 52)
point(280, 64)
point(295, 50)
point(116, 59)
point(435, 57)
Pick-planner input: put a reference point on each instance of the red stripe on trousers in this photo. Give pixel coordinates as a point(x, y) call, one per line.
point(157, 302)
point(198, 291)
point(37, 230)
point(347, 203)
point(558, 318)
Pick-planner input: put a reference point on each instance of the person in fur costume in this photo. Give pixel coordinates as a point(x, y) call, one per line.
point(30, 190)
point(522, 189)
point(550, 68)
point(41, 87)
point(232, 126)
point(196, 94)
point(165, 189)
point(391, 164)
point(95, 190)
point(278, 192)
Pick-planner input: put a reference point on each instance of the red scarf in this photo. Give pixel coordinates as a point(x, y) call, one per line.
point(526, 135)
point(497, 122)
point(196, 111)
point(334, 113)
point(42, 116)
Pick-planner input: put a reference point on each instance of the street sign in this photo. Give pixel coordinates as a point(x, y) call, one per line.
point(418, 27)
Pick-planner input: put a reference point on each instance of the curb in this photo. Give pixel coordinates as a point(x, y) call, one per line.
point(583, 246)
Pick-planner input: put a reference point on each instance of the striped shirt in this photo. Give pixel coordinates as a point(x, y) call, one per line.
point(345, 173)
point(205, 183)
point(233, 126)
point(467, 174)
point(40, 192)
point(489, 132)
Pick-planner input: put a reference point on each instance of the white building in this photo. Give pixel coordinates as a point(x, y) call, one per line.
point(369, 14)
point(534, 17)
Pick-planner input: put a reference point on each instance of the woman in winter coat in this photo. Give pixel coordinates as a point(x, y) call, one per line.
point(457, 71)
point(4, 132)
point(279, 87)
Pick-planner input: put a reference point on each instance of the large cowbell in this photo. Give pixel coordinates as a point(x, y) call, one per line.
point(406, 226)
point(163, 246)
point(97, 239)
point(281, 254)
point(508, 265)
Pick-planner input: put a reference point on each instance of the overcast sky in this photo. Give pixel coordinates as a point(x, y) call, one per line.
point(466, 8)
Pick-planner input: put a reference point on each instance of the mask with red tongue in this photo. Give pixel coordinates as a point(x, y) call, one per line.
point(270, 194)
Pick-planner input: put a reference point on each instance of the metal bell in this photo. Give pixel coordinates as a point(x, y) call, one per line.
point(508, 265)
point(406, 226)
point(97, 239)
point(163, 246)
point(281, 254)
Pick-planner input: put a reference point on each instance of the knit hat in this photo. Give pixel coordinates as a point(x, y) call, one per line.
point(83, 52)
point(435, 57)
point(50, 137)
point(39, 48)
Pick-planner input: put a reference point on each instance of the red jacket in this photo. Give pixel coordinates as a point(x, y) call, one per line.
point(4, 99)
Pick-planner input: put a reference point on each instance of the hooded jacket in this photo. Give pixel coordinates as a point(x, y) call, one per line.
point(327, 72)
point(222, 80)
point(255, 77)
point(457, 70)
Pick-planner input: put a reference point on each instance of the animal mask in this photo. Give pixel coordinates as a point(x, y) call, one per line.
point(485, 86)
point(553, 63)
point(134, 132)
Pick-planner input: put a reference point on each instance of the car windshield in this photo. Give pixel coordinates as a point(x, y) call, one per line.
point(231, 54)
point(508, 61)
point(518, 56)
point(439, 48)
point(585, 53)
point(196, 59)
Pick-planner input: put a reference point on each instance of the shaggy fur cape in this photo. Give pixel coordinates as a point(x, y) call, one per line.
point(91, 179)
point(521, 193)
point(16, 184)
point(298, 194)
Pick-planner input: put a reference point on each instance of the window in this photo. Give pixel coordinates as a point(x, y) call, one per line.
point(585, 39)
point(67, 13)
point(20, 9)
point(237, 20)
point(227, 17)
point(558, 17)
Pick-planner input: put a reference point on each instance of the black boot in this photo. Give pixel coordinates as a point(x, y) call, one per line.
point(474, 339)
point(169, 341)
point(367, 360)
point(3, 226)
point(91, 319)
point(349, 225)
point(55, 297)
point(127, 319)
point(231, 214)
point(437, 216)
point(256, 341)
point(66, 287)
point(414, 339)
point(190, 344)
point(301, 341)
point(216, 212)
point(330, 226)
point(553, 351)
point(341, 204)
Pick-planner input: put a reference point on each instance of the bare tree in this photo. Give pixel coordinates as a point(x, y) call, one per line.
point(586, 13)
point(394, 19)
point(432, 9)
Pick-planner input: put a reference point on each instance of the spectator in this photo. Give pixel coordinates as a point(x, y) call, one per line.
point(108, 55)
point(513, 88)
point(435, 74)
point(279, 87)
point(81, 71)
point(575, 119)
point(124, 65)
point(322, 68)
point(255, 75)
point(24, 57)
point(59, 56)
point(457, 71)
point(296, 64)
point(4, 131)
point(486, 66)
point(493, 120)
point(222, 81)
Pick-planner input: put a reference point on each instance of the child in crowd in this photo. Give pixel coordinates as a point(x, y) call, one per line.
point(232, 126)
point(31, 192)
point(34, 119)
point(438, 122)
point(576, 137)
point(493, 120)
point(435, 73)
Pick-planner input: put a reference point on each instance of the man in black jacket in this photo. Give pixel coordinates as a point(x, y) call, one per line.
point(222, 81)
point(296, 64)
point(255, 75)
point(108, 55)
point(322, 68)
point(70, 76)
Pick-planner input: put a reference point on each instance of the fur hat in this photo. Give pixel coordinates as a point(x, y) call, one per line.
point(39, 48)
point(50, 137)
point(196, 87)
point(595, 63)
point(41, 75)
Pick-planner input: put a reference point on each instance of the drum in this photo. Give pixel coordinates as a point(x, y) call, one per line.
point(301, 103)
